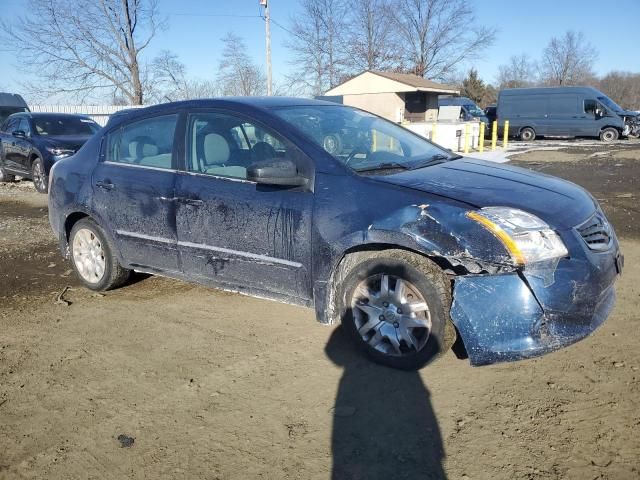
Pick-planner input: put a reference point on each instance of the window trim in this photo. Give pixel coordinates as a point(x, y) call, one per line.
point(176, 147)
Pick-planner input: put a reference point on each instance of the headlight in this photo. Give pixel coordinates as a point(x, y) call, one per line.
point(60, 152)
point(527, 238)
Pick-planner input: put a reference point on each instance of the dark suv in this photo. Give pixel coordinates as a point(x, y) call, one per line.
point(403, 242)
point(30, 143)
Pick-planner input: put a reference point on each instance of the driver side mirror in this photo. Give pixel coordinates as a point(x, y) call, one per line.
point(19, 134)
point(275, 171)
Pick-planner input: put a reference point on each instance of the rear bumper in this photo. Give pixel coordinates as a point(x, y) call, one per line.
point(526, 314)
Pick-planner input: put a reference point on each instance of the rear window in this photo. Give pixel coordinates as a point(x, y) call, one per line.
point(63, 126)
point(146, 143)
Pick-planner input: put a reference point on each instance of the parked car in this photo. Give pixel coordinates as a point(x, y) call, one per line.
point(470, 110)
point(564, 112)
point(402, 241)
point(491, 112)
point(11, 103)
point(30, 143)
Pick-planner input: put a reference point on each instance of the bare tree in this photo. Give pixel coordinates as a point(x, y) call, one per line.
point(519, 72)
point(568, 60)
point(623, 88)
point(370, 41)
point(84, 46)
point(316, 45)
point(237, 75)
point(170, 82)
point(439, 35)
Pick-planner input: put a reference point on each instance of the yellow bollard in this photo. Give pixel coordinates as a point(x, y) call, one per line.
point(494, 135)
point(466, 138)
point(505, 142)
point(433, 132)
point(481, 139)
point(375, 142)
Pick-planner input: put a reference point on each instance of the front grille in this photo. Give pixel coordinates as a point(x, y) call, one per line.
point(596, 232)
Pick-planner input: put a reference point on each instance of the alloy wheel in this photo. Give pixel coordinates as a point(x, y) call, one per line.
point(39, 176)
point(391, 315)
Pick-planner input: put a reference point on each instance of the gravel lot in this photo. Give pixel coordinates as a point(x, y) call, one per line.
point(211, 385)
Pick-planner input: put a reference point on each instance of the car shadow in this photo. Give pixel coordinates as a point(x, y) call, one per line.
point(383, 424)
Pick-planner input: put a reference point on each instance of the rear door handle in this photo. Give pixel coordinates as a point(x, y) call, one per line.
point(105, 184)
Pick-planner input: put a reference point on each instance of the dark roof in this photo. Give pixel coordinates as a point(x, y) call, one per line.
point(262, 103)
point(414, 80)
point(50, 114)
point(11, 100)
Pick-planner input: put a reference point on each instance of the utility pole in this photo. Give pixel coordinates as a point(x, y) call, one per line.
point(267, 26)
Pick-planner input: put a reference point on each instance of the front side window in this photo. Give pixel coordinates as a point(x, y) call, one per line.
point(24, 126)
point(147, 143)
point(11, 125)
point(225, 145)
point(360, 140)
point(590, 106)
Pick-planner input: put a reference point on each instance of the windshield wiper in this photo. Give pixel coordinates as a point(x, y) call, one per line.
point(382, 167)
point(435, 160)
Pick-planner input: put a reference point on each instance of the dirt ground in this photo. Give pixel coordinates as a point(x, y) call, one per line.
point(211, 385)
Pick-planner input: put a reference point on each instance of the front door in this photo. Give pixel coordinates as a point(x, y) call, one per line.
point(133, 187)
point(17, 148)
point(233, 231)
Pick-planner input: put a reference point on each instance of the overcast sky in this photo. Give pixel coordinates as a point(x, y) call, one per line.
point(196, 26)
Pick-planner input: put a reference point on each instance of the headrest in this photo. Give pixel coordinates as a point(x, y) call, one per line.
point(215, 149)
point(141, 149)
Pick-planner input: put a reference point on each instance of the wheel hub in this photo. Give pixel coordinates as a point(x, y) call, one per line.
point(391, 315)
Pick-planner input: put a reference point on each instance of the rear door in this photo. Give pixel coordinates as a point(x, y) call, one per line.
point(133, 185)
point(233, 231)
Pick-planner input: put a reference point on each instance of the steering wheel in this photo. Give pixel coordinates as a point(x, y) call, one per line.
point(360, 148)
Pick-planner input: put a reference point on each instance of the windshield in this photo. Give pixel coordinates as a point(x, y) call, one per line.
point(361, 140)
point(6, 111)
point(610, 104)
point(474, 110)
point(60, 126)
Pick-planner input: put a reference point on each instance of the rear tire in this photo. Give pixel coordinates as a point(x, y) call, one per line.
point(527, 134)
point(404, 327)
point(609, 134)
point(39, 177)
point(92, 257)
point(6, 177)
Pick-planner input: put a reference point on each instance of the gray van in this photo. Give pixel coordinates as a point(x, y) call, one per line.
point(564, 112)
point(11, 103)
point(470, 110)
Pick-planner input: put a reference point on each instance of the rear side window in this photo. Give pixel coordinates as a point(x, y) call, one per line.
point(147, 143)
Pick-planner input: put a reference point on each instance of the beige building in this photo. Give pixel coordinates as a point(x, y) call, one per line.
point(395, 96)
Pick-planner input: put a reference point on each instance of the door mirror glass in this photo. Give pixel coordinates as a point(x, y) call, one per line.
point(19, 134)
point(275, 171)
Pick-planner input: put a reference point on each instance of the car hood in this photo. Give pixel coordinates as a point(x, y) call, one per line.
point(480, 183)
point(72, 142)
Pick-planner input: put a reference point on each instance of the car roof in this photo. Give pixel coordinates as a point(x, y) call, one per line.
point(260, 103)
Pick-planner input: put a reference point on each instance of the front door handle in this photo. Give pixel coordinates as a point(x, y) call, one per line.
point(105, 184)
point(194, 202)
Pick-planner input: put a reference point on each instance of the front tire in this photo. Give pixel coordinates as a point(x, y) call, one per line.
point(92, 257)
point(527, 134)
point(394, 305)
point(609, 135)
point(39, 176)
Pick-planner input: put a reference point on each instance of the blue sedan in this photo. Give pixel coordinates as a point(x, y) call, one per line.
point(322, 205)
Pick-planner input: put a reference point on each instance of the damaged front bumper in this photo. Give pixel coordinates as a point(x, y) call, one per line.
point(528, 313)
